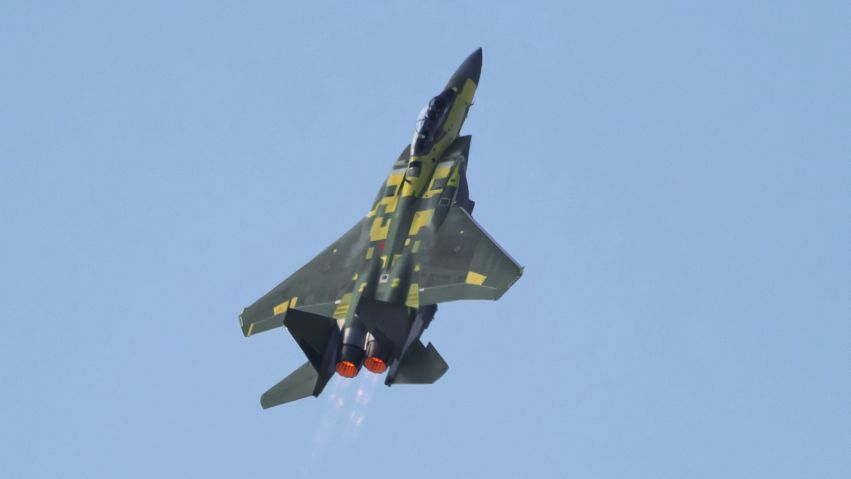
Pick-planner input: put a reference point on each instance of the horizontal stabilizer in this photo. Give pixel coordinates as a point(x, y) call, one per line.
point(299, 384)
point(421, 365)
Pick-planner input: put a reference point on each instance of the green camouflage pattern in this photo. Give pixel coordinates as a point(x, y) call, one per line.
point(418, 246)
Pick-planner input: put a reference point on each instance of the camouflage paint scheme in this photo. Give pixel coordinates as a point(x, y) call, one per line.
point(381, 281)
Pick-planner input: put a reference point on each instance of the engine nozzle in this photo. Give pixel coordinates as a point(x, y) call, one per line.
point(351, 352)
point(347, 369)
point(376, 356)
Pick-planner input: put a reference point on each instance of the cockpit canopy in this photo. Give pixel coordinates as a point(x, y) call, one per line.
point(430, 122)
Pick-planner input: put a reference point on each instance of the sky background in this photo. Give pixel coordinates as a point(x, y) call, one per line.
point(674, 176)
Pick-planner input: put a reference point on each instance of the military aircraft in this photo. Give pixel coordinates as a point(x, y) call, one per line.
point(365, 300)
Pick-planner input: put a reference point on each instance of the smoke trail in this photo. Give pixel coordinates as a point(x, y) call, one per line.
point(343, 414)
point(334, 402)
point(361, 403)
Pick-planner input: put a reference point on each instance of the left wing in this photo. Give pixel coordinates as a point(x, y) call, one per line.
point(461, 261)
point(314, 287)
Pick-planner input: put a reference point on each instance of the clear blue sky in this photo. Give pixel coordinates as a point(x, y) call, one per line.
point(674, 176)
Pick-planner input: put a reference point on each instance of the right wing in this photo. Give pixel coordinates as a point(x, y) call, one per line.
point(461, 261)
point(313, 288)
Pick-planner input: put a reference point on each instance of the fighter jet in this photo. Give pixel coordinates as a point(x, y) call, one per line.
point(365, 300)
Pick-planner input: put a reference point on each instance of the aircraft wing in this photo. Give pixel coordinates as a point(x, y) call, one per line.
point(461, 261)
point(314, 287)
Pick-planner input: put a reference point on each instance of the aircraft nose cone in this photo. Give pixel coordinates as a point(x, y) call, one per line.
point(471, 68)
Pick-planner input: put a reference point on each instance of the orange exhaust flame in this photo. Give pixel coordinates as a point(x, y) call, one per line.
point(347, 369)
point(375, 365)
